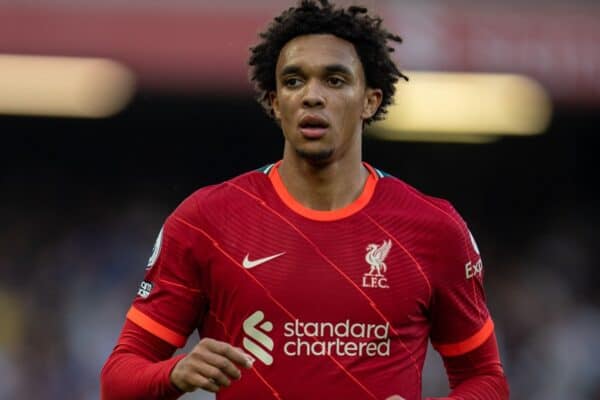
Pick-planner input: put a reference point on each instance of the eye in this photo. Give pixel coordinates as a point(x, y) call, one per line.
point(292, 82)
point(335, 81)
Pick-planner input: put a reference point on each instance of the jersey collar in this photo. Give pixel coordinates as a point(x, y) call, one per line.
point(319, 215)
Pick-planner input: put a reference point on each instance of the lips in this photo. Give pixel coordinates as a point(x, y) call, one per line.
point(313, 126)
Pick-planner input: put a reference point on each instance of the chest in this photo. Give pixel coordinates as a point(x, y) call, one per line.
point(348, 270)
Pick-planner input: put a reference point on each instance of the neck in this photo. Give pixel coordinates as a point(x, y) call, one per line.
point(323, 187)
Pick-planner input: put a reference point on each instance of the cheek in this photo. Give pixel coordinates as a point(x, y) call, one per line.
point(345, 113)
point(350, 111)
point(287, 112)
point(286, 109)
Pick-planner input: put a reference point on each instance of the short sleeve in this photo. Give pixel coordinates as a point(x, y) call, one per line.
point(461, 321)
point(170, 301)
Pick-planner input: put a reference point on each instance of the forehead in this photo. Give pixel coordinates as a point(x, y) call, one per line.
point(319, 51)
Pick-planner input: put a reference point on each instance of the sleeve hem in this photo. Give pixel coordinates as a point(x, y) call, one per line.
point(155, 328)
point(465, 346)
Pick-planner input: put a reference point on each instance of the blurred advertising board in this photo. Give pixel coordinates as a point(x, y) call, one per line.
point(196, 48)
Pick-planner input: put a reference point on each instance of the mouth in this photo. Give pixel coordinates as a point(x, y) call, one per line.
point(313, 126)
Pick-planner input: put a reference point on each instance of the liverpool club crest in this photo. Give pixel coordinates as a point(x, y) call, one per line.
point(375, 257)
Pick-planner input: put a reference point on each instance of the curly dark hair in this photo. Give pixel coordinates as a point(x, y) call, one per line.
point(353, 24)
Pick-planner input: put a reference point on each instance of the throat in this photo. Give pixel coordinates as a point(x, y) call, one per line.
point(326, 188)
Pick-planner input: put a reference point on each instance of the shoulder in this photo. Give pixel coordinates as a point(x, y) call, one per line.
point(436, 231)
point(440, 210)
point(218, 197)
point(208, 209)
point(433, 216)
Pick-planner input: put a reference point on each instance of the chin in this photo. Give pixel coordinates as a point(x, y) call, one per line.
point(317, 157)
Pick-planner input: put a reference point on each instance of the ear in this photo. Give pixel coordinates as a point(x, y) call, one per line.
point(372, 102)
point(275, 105)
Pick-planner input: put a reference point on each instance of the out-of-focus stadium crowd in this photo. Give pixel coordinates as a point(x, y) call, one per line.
point(67, 278)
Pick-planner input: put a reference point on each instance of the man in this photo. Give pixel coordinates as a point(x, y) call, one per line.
point(319, 276)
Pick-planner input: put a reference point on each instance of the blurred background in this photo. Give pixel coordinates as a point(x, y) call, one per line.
point(112, 112)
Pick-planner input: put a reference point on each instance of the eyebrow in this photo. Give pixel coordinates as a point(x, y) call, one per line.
point(333, 68)
point(338, 68)
point(291, 70)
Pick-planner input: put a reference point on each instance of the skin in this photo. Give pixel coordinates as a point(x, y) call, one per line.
point(322, 75)
point(210, 365)
point(319, 75)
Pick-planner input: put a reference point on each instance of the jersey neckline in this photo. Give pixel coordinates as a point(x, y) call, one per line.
point(320, 215)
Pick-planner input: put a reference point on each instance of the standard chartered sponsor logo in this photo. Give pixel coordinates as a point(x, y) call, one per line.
point(257, 336)
point(345, 338)
point(337, 339)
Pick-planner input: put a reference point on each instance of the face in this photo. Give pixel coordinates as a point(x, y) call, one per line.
point(321, 99)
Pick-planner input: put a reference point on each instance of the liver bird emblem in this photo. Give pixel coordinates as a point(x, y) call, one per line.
point(376, 257)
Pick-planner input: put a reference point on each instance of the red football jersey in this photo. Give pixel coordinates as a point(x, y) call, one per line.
point(332, 304)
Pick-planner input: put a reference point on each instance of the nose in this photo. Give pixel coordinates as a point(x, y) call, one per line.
point(313, 95)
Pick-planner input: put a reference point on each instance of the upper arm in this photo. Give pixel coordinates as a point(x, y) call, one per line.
point(171, 299)
point(460, 320)
point(136, 340)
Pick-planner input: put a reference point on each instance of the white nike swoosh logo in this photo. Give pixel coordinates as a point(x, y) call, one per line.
point(247, 263)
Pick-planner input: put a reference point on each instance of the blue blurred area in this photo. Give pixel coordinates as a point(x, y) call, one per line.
point(82, 202)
